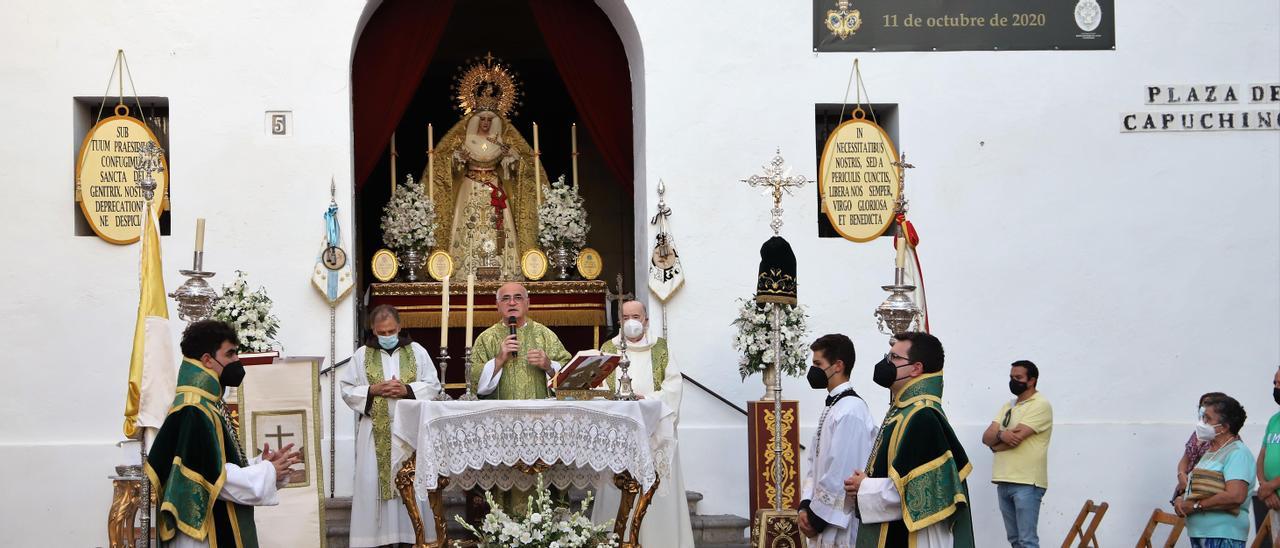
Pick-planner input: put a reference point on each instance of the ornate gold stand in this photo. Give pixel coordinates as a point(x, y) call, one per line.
point(404, 484)
point(124, 509)
point(631, 497)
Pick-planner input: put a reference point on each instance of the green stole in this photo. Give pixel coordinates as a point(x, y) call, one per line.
point(381, 411)
point(659, 353)
point(520, 381)
point(919, 452)
point(186, 462)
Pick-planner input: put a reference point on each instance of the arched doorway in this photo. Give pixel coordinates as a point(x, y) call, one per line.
point(572, 68)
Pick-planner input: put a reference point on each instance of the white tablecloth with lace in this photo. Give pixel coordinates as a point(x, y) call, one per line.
point(479, 443)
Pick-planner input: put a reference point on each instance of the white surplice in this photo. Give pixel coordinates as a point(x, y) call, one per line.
point(253, 485)
point(667, 522)
point(879, 501)
point(841, 445)
point(376, 522)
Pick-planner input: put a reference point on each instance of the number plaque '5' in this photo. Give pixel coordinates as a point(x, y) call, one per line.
point(279, 123)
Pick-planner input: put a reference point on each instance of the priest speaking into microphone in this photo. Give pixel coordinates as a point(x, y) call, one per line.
point(512, 359)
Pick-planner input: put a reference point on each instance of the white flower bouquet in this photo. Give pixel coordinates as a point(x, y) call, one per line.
point(755, 339)
point(545, 525)
point(249, 313)
point(409, 218)
point(562, 218)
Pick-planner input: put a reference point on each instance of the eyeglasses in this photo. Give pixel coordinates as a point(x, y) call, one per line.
point(517, 298)
point(890, 356)
point(1007, 415)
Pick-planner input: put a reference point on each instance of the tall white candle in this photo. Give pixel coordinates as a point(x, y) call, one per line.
point(200, 234)
point(902, 251)
point(537, 166)
point(393, 163)
point(431, 163)
point(444, 313)
point(471, 304)
point(573, 133)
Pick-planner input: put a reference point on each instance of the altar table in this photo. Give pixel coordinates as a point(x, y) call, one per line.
point(502, 444)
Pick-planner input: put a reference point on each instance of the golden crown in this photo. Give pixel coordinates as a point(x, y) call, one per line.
point(489, 84)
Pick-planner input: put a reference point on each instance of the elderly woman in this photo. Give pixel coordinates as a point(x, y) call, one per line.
point(1194, 448)
point(1216, 503)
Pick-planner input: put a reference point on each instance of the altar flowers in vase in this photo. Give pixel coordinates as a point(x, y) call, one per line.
point(562, 224)
point(249, 312)
point(409, 224)
point(545, 525)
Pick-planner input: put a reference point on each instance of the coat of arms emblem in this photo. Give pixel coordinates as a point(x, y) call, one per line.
point(842, 21)
point(1088, 15)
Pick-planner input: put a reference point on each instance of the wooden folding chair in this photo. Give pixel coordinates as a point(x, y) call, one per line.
point(1087, 538)
point(1264, 533)
point(1158, 517)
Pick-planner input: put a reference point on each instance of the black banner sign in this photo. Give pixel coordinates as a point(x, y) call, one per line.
point(958, 25)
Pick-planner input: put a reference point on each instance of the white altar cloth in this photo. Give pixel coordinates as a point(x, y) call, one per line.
point(478, 443)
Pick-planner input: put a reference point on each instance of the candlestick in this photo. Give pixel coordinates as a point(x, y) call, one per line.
point(393, 163)
point(537, 165)
point(471, 298)
point(444, 313)
point(466, 373)
point(443, 358)
point(573, 132)
point(431, 163)
point(200, 235)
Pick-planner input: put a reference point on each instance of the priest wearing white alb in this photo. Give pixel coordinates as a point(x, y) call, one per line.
point(842, 443)
point(653, 376)
point(388, 368)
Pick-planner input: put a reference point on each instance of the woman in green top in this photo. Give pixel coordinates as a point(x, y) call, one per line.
point(1216, 501)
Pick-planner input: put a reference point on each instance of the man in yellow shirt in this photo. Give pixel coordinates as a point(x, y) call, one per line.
point(1019, 437)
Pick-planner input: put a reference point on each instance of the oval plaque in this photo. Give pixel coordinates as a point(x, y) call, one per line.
point(107, 183)
point(385, 265)
point(533, 265)
point(858, 180)
point(590, 264)
point(440, 265)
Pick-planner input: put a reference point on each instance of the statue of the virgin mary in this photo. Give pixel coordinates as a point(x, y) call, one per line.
point(487, 174)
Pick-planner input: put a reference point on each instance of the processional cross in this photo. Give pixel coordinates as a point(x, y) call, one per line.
point(616, 299)
point(780, 180)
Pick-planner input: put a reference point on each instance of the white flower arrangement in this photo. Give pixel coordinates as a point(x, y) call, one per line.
point(545, 525)
point(562, 219)
point(409, 218)
point(249, 313)
point(755, 339)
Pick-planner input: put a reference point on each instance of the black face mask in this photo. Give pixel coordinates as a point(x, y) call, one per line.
point(1017, 387)
point(885, 373)
point(232, 374)
point(817, 377)
point(1275, 393)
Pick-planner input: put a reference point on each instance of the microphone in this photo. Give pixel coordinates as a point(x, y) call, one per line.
point(511, 325)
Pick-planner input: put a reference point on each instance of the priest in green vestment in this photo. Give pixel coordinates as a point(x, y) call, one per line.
point(913, 492)
point(206, 488)
point(515, 367)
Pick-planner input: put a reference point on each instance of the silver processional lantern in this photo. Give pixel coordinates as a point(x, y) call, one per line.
point(899, 313)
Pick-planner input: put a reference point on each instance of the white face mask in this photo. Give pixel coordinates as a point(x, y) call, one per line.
point(1205, 432)
point(632, 329)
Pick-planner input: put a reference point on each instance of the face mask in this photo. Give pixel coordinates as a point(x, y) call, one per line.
point(388, 341)
point(1275, 394)
point(632, 329)
point(886, 373)
point(1017, 387)
point(817, 377)
point(1205, 432)
point(232, 373)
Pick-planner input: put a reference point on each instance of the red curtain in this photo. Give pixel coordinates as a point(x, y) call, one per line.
point(393, 53)
point(593, 66)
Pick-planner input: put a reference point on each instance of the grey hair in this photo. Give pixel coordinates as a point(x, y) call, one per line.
point(497, 294)
point(384, 311)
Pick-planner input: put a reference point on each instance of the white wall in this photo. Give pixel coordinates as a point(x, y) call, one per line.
point(1047, 234)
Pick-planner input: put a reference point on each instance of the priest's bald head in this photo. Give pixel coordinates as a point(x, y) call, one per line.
point(513, 301)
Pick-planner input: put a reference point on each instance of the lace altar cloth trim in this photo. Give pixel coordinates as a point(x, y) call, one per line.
point(479, 443)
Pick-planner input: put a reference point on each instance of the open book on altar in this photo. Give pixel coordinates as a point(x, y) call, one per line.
point(586, 370)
